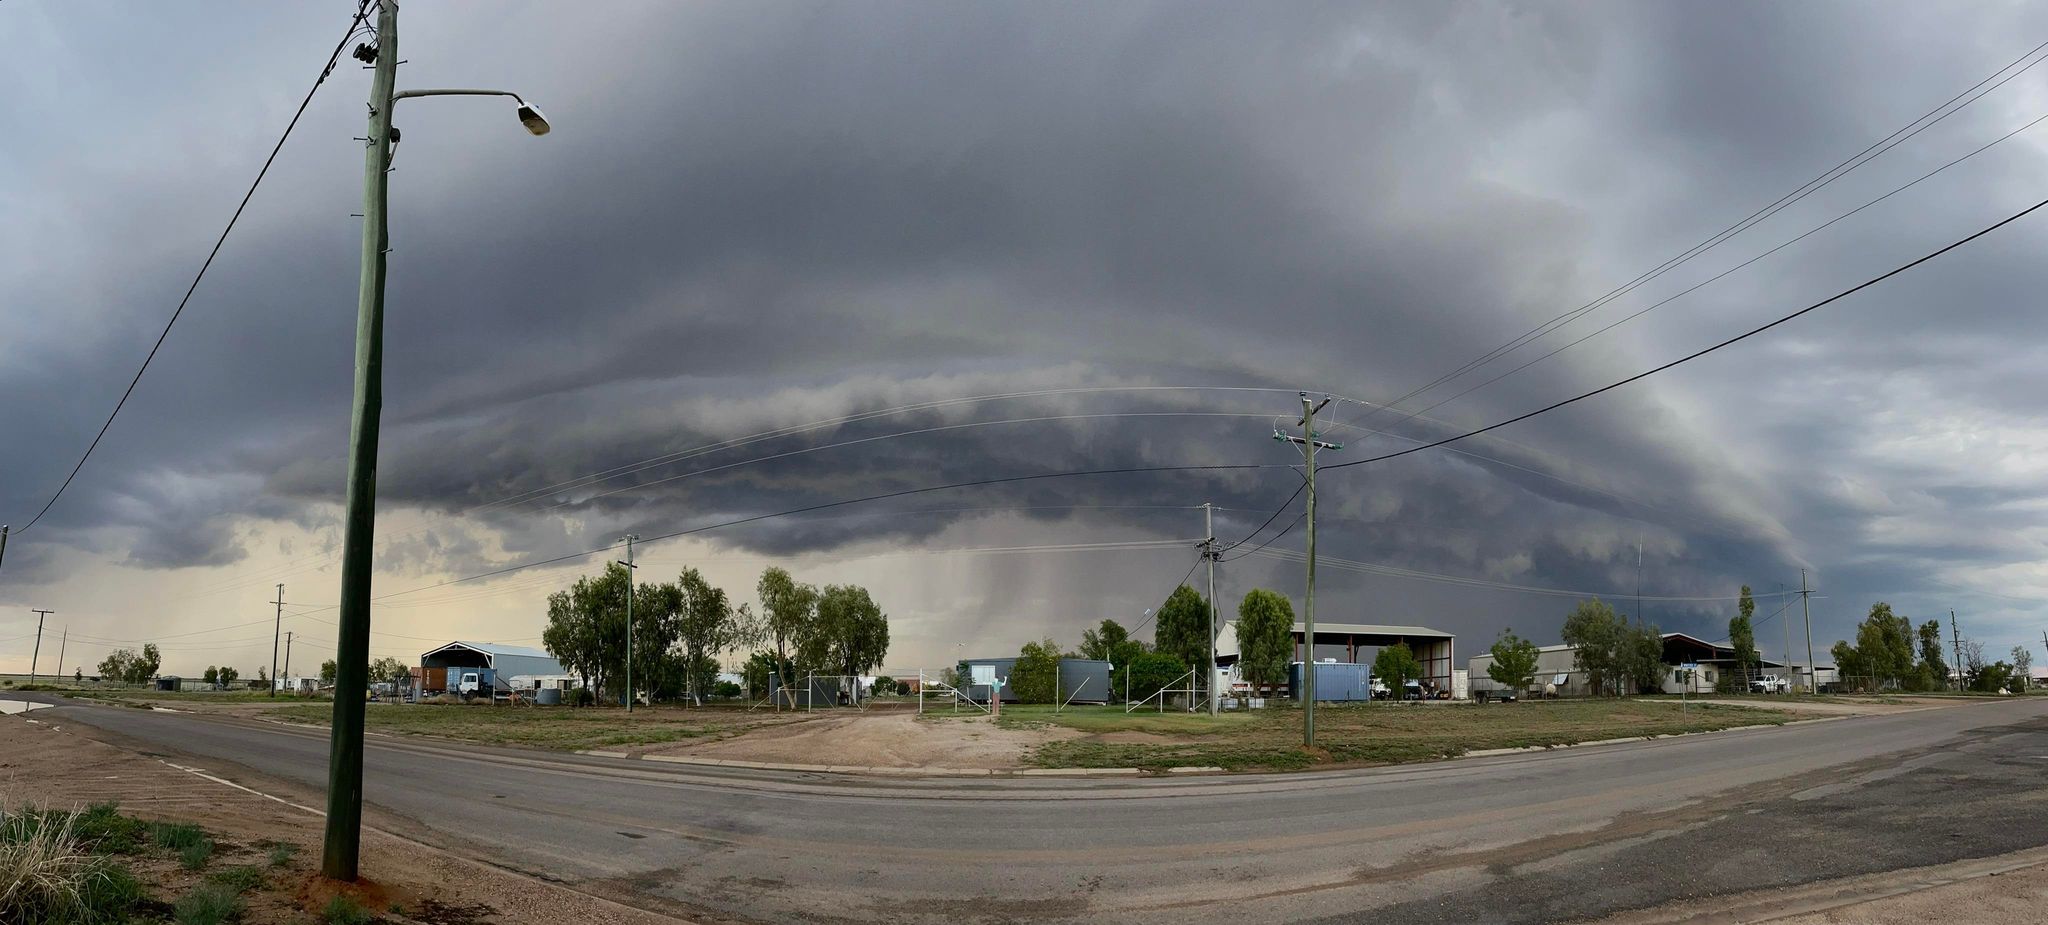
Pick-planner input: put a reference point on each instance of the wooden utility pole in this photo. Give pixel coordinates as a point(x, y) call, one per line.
point(1812, 670)
point(1210, 553)
point(340, 850)
point(1957, 635)
point(630, 571)
point(275, 631)
point(1309, 441)
point(41, 615)
point(62, 647)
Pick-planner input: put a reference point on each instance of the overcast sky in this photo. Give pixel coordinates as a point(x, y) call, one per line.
point(759, 216)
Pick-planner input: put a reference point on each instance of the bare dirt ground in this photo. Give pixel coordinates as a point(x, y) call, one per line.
point(893, 739)
point(1997, 899)
point(45, 765)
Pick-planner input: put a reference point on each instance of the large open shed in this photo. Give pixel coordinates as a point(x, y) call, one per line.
point(1358, 643)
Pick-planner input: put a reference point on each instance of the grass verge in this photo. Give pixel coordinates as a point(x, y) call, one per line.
point(1376, 733)
point(541, 727)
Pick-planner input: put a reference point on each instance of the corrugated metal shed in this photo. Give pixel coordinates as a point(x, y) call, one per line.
point(507, 661)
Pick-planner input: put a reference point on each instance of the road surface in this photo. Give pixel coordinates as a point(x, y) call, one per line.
point(1532, 837)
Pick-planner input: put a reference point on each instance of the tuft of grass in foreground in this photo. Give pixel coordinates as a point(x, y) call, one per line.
point(175, 836)
point(1270, 739)
point(281, 855)
point(194, 856)
point(48, 875)
point(541, 727)
point(344, 910)
point(208, 904)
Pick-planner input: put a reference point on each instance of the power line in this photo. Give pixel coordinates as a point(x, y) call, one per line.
point(325, 70)
point(1715, 278)
point(1704, 351)
point(1801, 192)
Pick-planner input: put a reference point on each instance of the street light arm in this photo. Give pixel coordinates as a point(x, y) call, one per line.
point(409, 94)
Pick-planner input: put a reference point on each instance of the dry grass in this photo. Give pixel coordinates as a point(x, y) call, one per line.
point(48, 875)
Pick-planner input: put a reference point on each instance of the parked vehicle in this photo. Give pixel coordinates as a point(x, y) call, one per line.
point(1767, 685)
point(1411, 690)
point(1379, 688)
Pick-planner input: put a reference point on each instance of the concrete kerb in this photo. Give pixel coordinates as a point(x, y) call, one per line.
point(1124, 772)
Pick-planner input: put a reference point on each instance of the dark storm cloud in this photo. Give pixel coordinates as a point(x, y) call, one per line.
point(751, 217)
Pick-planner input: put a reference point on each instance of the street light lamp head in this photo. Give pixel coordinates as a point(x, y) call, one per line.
point(530, 116)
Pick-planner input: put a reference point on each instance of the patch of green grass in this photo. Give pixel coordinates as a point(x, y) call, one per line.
point(1359, 733)
point(175, 836)
point(281, 855)
point(101, 828)
point(194, 856)
point(344, 910)
point(240, 879)
point(108, 891)
point(208, 904)
point(542, 727)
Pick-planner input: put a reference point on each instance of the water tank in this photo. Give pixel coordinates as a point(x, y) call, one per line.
point(548, 696)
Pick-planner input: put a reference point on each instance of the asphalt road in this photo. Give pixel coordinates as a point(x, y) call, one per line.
point(1533, 837)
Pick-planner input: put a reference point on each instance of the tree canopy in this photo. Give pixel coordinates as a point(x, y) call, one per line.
point(1514, 661)
point(1616, 656)
point(850, 633)
point(1396, 665)
point(1035, 676)
point(1265, 637)
point(130, 667)
point(1742, 635)
point(1103, 642)
point(1181, 628)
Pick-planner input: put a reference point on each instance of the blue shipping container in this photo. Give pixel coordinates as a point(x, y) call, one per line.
point(1334, 681)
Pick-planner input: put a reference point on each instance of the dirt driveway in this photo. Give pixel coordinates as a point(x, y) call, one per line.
point(894, 739)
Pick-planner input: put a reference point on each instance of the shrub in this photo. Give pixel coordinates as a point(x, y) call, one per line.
point(46, 874)
point(343, 910)
point(281, 855)
point(208, 904)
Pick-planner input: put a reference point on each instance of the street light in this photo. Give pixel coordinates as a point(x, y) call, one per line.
point(345, 756)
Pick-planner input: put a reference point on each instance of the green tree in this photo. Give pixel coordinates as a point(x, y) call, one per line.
point(1514, 661)
point(129, 667)
point(1035, 676)
point(1742, 636)
point(212, 675)
point(1595, 634)
point(1181, 628)
point(885, 686)
point(1884, 640)
point(390, 670)
point(262, 677)
point(586, 630)
point(1849, 670)
point(1265, 638)
point(1933, 668)
point(1395, 665)
point(1994, 677)
point(1103, 642)
point(1641, 655)
point(2022, 667)
point(761, 666)
point(726, 689)
point(705, 626)
point(327, 670)
point(1152, 672)
point(787, 610)
point(228, 676)
point(850, 634)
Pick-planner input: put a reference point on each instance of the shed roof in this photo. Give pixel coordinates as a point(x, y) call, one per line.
point(492, 648)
